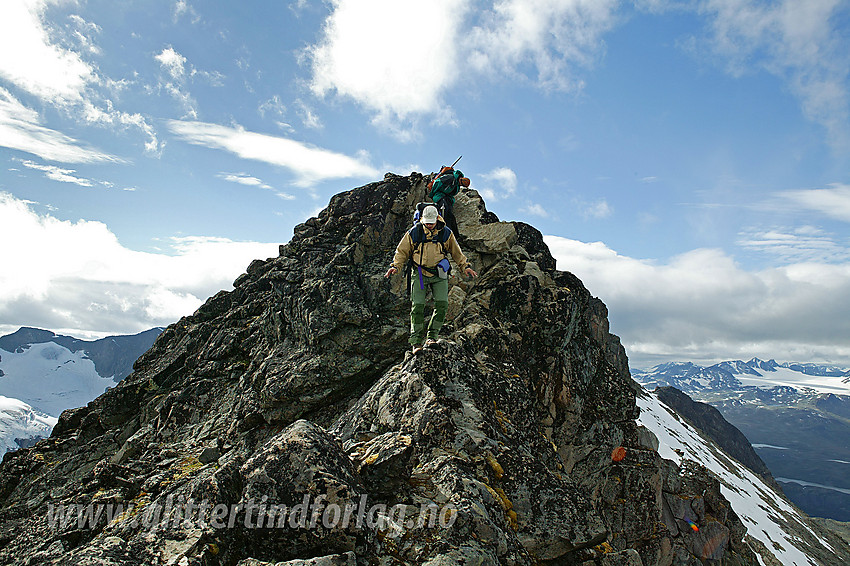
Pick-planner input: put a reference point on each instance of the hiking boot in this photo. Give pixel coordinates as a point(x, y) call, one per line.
point(417, 348)
point(430, 341)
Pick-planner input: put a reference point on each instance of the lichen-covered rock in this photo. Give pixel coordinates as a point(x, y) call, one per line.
point(347, 559)
point(285, 422)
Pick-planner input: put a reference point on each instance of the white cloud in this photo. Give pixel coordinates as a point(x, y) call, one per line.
point(298, 6)
point(703, 306)
point(173, 63)
point(244, 179)
point(369, 53)
point(309, 118)
point(599, 209)
point(95, 115)
point(58, 174)
point(799, 41)
point(81, 37)
point(833, 202)
point(250, 181)
point(506, 184)
point(33, 58)
point(76, 275)
point(536, 210)
point(803, 244)
point(274, 105)
point(310, 164)
point(177, 72)
point(20, 130)
point(29, 59)
point(174, 66)
point(177, 67)
point(549, 35)
point(183, 8)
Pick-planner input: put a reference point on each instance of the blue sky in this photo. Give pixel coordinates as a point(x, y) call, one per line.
point(688, 160)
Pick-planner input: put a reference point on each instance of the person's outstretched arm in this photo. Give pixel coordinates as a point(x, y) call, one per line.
point(460, 259)
point(402, 253)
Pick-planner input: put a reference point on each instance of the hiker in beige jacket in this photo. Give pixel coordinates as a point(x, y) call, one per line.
point(429, 251)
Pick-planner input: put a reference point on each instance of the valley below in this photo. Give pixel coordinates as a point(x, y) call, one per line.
point(796, 416)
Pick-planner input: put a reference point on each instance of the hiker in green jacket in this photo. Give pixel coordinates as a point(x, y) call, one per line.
point(429, 249)
point(443, 189)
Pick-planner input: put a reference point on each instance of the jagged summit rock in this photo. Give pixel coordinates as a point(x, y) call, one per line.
point(297, 387)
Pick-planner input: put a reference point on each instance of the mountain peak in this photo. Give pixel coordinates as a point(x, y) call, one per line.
point(769, 365)
point(298, 385)
point(23, 336)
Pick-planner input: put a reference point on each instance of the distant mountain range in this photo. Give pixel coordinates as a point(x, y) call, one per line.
point(113, 356)
point(43, 373)
point(737, 375)
point(796, 415)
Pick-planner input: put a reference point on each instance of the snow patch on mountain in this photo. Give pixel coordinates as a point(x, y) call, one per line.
point(50, 378)
point(737, 374)
point(768, 517)
point(21, 425)
point(688, 376)
point(786, 377)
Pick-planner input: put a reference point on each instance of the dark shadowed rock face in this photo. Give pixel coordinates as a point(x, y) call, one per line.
point(298, 384)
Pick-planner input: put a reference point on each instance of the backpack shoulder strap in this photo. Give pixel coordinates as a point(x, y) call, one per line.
point(417, 234)
point(443, 238)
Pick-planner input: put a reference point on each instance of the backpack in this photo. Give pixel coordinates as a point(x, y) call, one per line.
point(447, 183)
point(417, 214)
point(417, 235)
point(417, 232)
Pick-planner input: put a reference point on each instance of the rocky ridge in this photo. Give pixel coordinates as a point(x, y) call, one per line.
point(519, 426)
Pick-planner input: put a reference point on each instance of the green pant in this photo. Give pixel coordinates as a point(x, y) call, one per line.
point(440, 291)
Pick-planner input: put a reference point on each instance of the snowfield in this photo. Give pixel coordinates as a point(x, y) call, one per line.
point(19, 420)
point(798, 380)
point(737, 374)
point(50, 378)
point(764, 512)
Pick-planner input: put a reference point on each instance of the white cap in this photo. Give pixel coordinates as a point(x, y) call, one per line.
point(429, 215)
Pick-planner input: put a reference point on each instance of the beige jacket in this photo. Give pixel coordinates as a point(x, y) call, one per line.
point(429, 253)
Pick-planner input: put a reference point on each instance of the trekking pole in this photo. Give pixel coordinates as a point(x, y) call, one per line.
point(455, 163)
